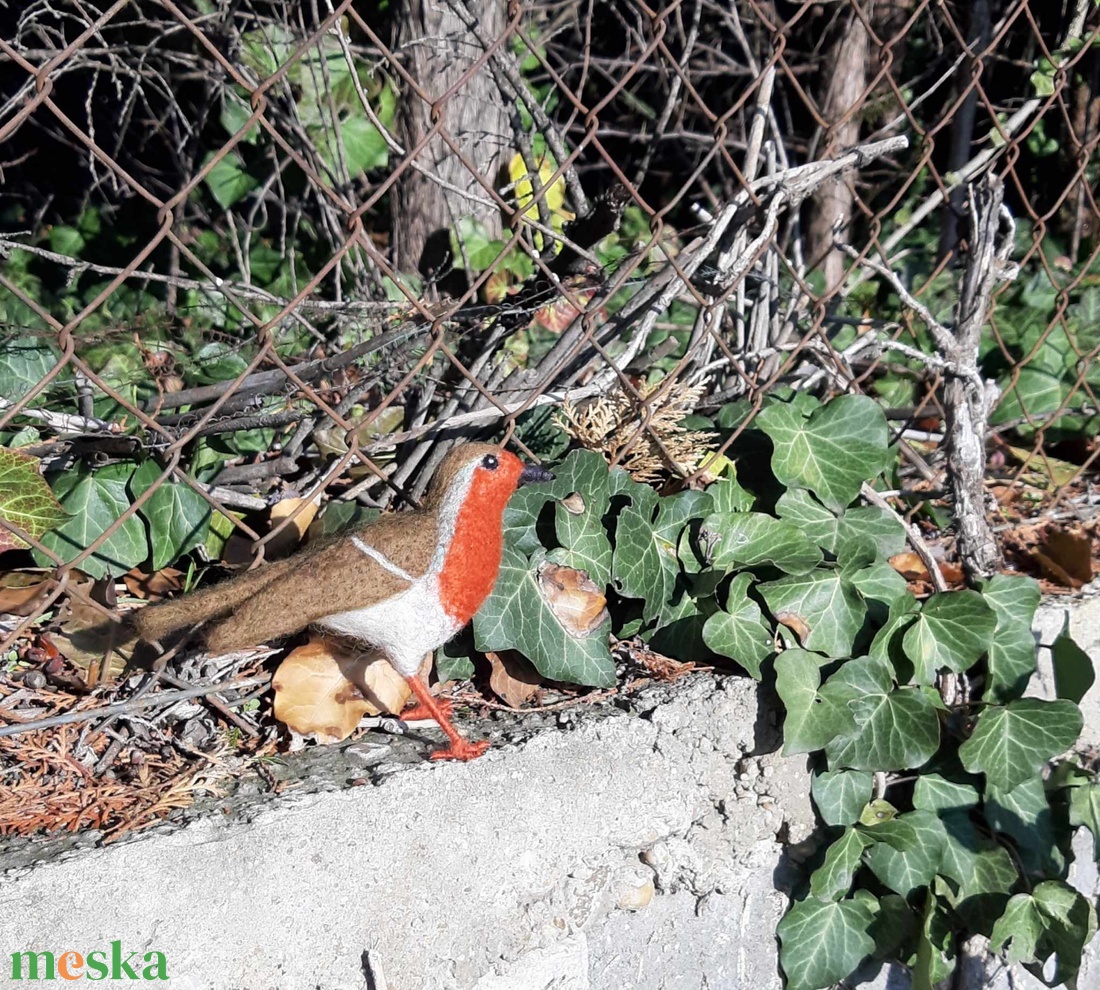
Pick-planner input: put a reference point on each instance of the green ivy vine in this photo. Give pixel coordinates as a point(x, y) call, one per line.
point(940, 813)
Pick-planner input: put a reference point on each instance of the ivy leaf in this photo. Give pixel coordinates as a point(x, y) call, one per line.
point(583, 471)
point(870, 522)
point(1013, 597)
point(906, 852)
point(896, 925)
point(750, 539)
point(894, 728)
point(1034, 393)
point(824, 602)
point(1073, 671)
point(516, 616)
point(935, 956)
point(1053, 920)
point(25, 499)
point(832, 451)
point(740, 632)
point(821, 942)
point(933, 792)
point(1084, 801)
point(578, 524)
point(841, 795)
point(95, 500)
point(364, 146)
point(953, 629)
point(1011, 662)
point(178, 516)
point(798, 507)
point(228, 181)
point(880, 583)
point(1013, 742)
point(812, 719)
point(24, 362)
point(727, 495)
point(1024, 815)
point(887, 644)
point(833, 879)
point(983, 871)
point(645, 563)
point(453, 661)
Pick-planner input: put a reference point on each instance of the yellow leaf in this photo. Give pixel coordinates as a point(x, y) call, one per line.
point(553, 194)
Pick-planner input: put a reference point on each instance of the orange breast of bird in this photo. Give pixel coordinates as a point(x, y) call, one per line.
point(473, 559)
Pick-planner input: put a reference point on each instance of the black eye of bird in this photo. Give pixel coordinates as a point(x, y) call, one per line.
point(489, 461)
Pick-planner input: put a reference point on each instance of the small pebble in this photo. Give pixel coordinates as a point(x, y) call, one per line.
point(34, 679)
point(635, 898)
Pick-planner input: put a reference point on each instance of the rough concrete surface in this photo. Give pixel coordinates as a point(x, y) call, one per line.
point(490, 874)
point(1084, 625)
point(627, 849)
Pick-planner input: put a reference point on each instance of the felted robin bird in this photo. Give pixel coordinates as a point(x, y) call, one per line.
point(404, 583)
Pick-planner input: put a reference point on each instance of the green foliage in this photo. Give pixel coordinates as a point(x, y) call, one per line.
point(170, 523)
point(796, 587)
point(25, 499)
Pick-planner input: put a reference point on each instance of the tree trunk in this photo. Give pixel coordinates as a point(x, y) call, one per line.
point(846, 68)
point(437, 51)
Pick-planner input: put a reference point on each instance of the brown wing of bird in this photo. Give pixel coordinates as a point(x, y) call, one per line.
point(283, 598)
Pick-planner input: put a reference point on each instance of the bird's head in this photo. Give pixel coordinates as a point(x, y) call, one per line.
point(469, 493)
point(484, 473)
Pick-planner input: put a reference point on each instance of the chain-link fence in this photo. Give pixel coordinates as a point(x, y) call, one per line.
point(258, 250)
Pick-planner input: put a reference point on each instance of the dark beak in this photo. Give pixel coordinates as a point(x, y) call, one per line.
point(533, 474)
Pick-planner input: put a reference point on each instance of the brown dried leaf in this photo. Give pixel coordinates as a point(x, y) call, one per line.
point(19, 590)
point(577, 602)
point(1066, 557)
point(793, 621)
point(574, 504)
point(153, 587)
point(323, 690)
point(287, 539)
point(911, 567)
point(514, 680)
point(86, 635)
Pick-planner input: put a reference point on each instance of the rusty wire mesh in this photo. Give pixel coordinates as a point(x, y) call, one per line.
point(279, 172)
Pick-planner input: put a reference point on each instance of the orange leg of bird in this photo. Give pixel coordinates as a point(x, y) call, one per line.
point(459, 748)
point(420, 713)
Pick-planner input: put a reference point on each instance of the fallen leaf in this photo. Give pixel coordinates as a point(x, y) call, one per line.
point(300, 512)
point(909, 565)
point(323, 689)
point(20, 590)
point(576, 600)
point(574, 504)
point(153, 587)
point(1060, 473)
point(1065, 556)
point(86, 635)
point(793, 621)
point(514, 680)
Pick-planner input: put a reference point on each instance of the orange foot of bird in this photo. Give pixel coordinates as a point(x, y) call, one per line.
point(422, 713)
point(461, 749)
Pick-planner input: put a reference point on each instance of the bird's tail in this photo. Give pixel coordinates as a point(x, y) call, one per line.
point(156, 621)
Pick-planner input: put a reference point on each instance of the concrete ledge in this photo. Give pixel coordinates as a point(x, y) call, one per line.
point(637, 846)
point(488, 874)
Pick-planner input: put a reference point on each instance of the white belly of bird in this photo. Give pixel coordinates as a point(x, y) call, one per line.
point(404, 627)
